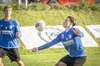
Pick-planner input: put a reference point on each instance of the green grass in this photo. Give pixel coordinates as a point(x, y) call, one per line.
point(51, 59)
point(54, 16)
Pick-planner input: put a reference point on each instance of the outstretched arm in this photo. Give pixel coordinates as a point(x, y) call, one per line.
point(47, 45)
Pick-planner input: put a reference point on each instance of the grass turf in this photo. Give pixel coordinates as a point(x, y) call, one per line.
point(51, 59)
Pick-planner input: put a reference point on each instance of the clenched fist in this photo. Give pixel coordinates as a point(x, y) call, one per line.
point(35, 49)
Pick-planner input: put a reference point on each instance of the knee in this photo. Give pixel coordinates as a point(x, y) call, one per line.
point(57, 64)
point(60, 64)
point(1, 64)
point(20, 63)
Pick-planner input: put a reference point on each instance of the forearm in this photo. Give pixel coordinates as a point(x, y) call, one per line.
point(81, 34)
point(18, 33)
point(45, 46)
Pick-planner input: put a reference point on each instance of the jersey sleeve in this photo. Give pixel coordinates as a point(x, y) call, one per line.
point(0, 30)
point(81, 33)
point(49, 44)
point(17, 28)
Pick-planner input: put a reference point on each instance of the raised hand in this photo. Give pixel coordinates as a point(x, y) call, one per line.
point(76, 32)
point(35, 49)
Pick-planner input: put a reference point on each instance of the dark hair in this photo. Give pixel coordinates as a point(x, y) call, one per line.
point(73, 20)
point(7, 7)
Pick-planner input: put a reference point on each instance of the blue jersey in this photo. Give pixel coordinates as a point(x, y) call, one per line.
point(8, 30)
point(71, 42)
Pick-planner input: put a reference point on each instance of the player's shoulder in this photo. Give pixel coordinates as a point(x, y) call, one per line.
point(1, 20)
point(73, 28)
point(14, 21)
point(62, 33)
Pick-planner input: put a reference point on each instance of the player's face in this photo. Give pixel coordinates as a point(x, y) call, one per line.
point(8, 12)
point(67, 23)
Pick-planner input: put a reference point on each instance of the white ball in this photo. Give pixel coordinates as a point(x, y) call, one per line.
point(40, 25)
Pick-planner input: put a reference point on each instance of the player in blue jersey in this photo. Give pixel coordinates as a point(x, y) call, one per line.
point(71, 40)
point(9, 34)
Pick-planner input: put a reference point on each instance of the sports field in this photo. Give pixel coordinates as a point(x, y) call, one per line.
point(54, 16)
point(50, 59)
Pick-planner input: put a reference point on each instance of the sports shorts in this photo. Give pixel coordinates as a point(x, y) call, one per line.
point(73, 61)
point(13, 54)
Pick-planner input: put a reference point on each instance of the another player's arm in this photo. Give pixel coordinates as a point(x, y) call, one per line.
point(47, 45)
point(0, 32)
point(17, 32)
point(17, 29)
point(78, 32)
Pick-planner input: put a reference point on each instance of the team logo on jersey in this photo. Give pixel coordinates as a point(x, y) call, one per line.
point(70, 36)
point(66, 38)
point(1, 25)
point(6, 27)
point(10, 27)
point(62, 36)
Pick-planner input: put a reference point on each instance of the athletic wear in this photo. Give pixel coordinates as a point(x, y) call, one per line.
point(8, 30)
point(13, 54)
point(73, 61)
point(71, 42)
point(8, 40)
